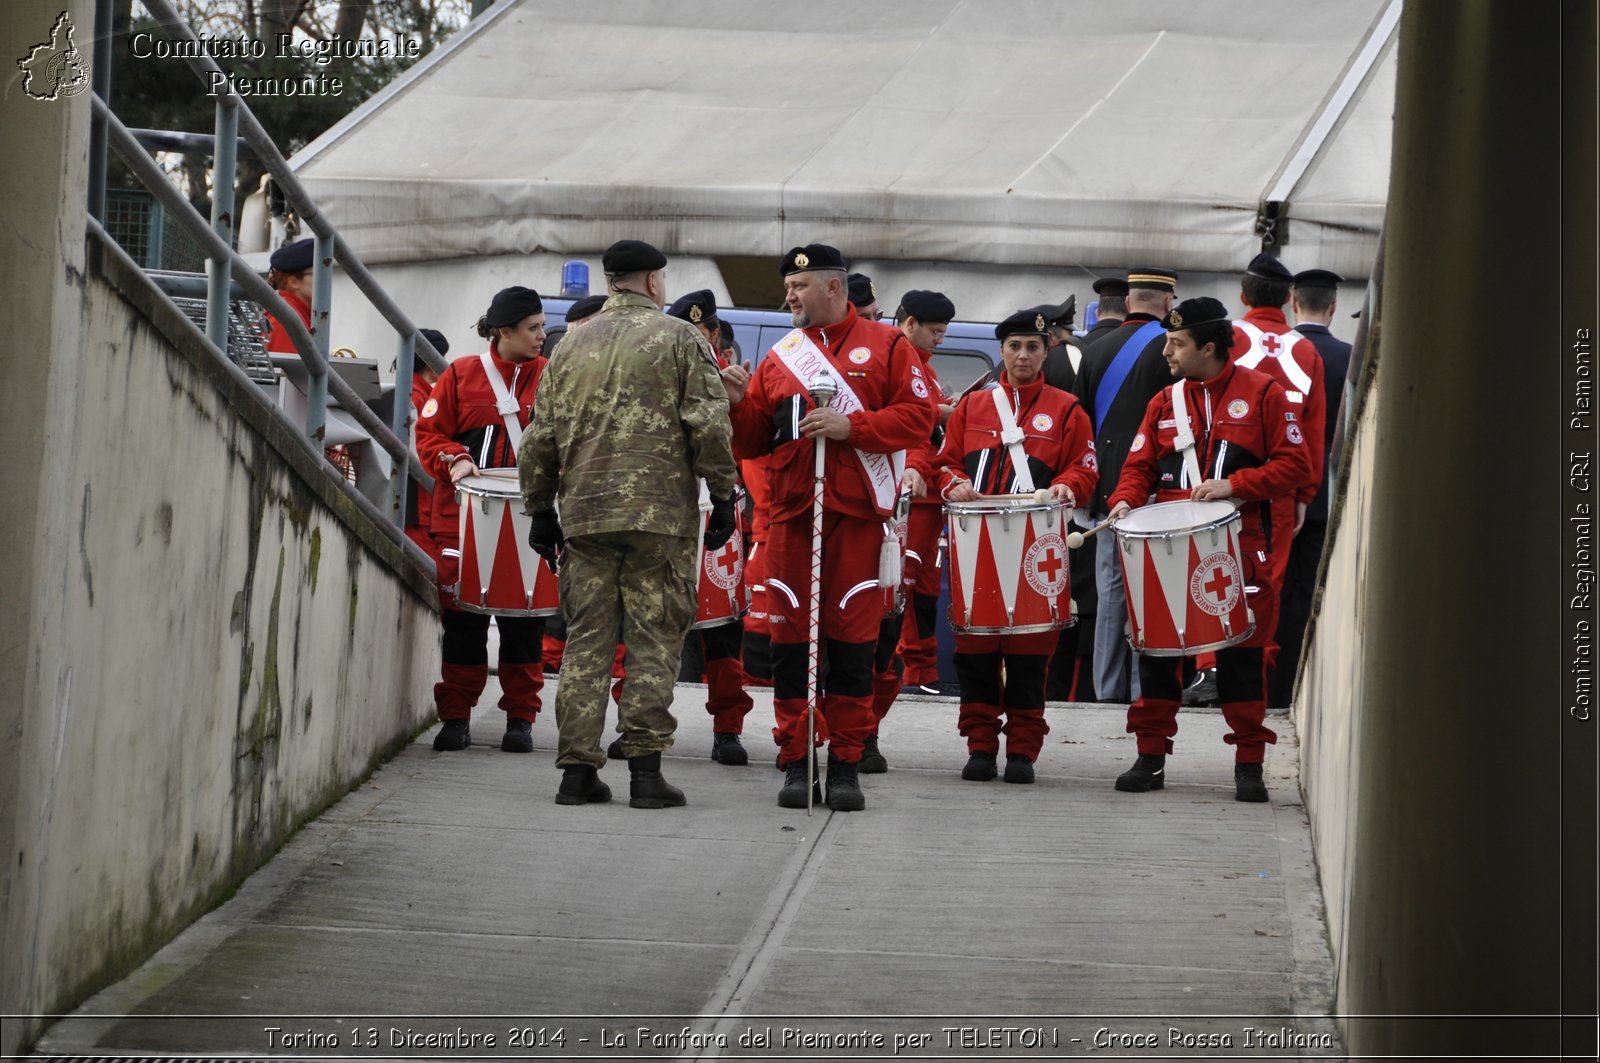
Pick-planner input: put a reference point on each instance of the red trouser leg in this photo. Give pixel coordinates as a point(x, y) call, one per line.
point(1242, 682)
point(465, 668)
point(978, 667)
point(1153, 717)
point(886, 670)
point(919, 644)
point(1027, 662)
point(618, 673)
point(726, 699)
point(554, 650)
point(521, 665)
point(757, 632)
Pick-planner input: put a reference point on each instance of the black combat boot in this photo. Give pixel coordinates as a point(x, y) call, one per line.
point(844, 789)
point(1018, 768)
point(519, 736)
point(980, 767)
point(1147, 773)
point(793, 794)
point(454, 735)
point(727, 749)
point(614, 750)
point(872, 760)
point(581, 785)
point(646, 787)
point(1248, 784)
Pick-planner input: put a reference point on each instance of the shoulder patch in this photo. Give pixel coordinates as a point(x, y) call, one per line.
point(1138, 444)
point(1042, 422)
point(918, 387)
point(430, 407)
point(1294, 434)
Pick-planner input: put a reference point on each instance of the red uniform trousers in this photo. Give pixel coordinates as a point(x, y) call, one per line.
point(726, 699)
point(1241, 684)
point(850, 621)
point(465, 669)
point(919, 643)
point(1003, 675)
point(757, 651)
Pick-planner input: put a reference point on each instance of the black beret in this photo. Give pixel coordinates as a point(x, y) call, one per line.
point(862, 291)
point(1162, 280)
point(1317, 278)
point(1192, 312)
point(1267, 267)
point(1023, 322)
point(435, 337)
point(1112, 286)
point(632, 256)
point(930, 308)
point(1061, 314)
point(811, 256)
point(588, 306)
point(293, 258)
point(511, 305)
point(698, 308)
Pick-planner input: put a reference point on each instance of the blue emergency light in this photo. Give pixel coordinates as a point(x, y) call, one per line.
point(574, 279)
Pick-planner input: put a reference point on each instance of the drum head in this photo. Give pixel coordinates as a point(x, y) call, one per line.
point(1164, 517)
point(492, 486)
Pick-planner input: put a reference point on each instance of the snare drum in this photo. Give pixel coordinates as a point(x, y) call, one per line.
point(1008, 566)
point(500, 573)
point(1185, 578)
point(722, 596)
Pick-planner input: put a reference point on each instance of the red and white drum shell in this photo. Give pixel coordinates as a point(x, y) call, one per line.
point(1183, 570)
point(722, 597)
point(500, 573)
point(891, 577)
point(1008, 566)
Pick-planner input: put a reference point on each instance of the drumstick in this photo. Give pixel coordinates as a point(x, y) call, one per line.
point(1076, 539)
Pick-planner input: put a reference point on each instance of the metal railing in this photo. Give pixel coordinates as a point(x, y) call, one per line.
point(228, 272)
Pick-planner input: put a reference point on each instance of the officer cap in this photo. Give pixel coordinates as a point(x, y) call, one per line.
point(699, 308)
point(1267, 267)
point(588, 306)
point(1317, 278)
point(862, 291)
point(1153, 277)
point(511, 305)
point(1192, 312)
point(1059, 315)
point(930, 308)
point(293, 258)
point(435, 337)
point(1111, 286)
point(631, 256)
point(1023, 322)
point(811, 256)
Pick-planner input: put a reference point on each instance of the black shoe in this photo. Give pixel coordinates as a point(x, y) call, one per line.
point(793, 794)
point(614, 750)
point(872, 761)
point(921, 689)
point(646, 787)
point(727, 749)
point(581, 785)
point(519, 736)
point(1248, 784)
point(844, 789)
point(1018, 768)
point(1202, 689)
point(1147, 773)
point(454, 735)
point(980, 767)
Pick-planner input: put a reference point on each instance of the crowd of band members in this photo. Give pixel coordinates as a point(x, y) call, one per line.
point(1097, 437)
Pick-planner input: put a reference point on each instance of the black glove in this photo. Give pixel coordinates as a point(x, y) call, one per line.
point(719, 529)
point(544, 536)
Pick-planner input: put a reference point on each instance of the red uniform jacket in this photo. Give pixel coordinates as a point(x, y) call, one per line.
point(924, 457)
point(1245, 431)
point(278, 337)
point(1058, 441)
point(1263, 341)
point(460, 420)
point(419, 500)
point(754, 473)
point(882, 368)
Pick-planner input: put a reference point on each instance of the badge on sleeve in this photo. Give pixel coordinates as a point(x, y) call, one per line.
point(1089, 460)
point(1138, 444)
point(918, 388)
point(430, 407)
point(1295, 435)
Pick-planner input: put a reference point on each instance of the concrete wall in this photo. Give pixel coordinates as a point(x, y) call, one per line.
point(203, 644)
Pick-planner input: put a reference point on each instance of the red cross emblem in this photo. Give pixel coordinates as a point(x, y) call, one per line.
point(1219, 583)
point(726, 560)
point(722, 568)
point(1271, 344)
point(1049, 564)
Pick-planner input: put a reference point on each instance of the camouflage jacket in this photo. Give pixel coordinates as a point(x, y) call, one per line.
point(630, 412)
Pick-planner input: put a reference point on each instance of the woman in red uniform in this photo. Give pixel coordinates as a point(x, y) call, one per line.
point(1004, 675)
point(463, 430)
point(419, 499)
point(290, 277)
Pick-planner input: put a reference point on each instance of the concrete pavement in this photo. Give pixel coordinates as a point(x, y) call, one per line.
point(449, 900)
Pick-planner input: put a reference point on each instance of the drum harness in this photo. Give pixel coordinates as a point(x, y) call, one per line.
point(504, 402)
point(1185, 437)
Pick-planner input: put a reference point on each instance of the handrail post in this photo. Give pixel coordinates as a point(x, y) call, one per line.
point(219, 271)
point(321, 297)
point(400, 419)
point(101, 75)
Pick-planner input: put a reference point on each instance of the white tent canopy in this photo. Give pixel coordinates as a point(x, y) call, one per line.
point(1052, 133)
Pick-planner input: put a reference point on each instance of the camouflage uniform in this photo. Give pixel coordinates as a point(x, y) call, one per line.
point(628, 415)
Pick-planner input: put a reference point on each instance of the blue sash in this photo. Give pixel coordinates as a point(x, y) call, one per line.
point(1121, 365)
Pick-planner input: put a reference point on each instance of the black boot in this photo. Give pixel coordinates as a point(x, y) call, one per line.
point(1018, 768)
point(646, 787)
point(844, 789)
point(519, 736)
point(793, 794)
point(454, 735)
point(1147, 773)
point(581, 785)
point(980, 767)
point(1248, 784)
point(872, 760)
point(727, 749)
point(614, 750)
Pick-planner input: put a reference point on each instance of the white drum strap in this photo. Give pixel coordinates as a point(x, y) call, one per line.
point(1185, 440)
point(504, 402)
point(1012, 437)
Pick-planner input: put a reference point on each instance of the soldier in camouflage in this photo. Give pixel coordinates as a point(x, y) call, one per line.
point(625, 421)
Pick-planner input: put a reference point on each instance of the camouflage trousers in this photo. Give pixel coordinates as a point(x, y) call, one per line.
point(638, 586)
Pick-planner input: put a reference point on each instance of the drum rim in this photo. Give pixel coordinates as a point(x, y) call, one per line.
point(1023, 504)
point(702, 625)
point(1211, 525)
point(1190, 651)
point(1019, 629)
point(507, 488)
point(466, 607)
